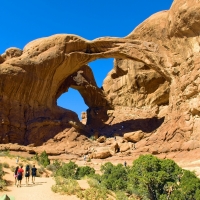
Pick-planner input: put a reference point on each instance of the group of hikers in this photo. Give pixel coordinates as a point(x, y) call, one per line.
point(19, 173)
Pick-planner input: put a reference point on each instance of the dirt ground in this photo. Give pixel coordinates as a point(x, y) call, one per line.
point(41, 190)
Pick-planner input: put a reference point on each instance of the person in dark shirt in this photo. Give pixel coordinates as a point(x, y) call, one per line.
point(33, 173)
point(27, 174)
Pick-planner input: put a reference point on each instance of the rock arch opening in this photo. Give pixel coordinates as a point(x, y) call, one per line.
point(73, 101)
point(83, 89)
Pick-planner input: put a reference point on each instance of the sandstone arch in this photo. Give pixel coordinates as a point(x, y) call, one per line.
point(44, 65)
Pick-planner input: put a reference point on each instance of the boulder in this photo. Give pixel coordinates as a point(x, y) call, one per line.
point(134, 136)
point(101, 153)
point(101, 139)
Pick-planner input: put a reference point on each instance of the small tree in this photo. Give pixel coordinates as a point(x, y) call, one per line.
point(84, 171)
point(114, 177)
point(67, 170)
point(43, 159)
point(153, 178)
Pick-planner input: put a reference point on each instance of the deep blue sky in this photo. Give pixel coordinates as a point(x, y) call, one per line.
point(26, 20)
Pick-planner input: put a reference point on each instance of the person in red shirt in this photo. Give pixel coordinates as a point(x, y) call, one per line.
point(19, 176)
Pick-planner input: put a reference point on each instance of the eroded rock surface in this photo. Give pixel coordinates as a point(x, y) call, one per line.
point(153, 88)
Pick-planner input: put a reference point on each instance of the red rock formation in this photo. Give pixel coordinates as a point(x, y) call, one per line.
point(153, 87)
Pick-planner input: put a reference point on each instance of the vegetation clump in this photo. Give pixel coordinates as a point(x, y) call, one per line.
point(2, 173)
point(65, 186)
point(43, 159)
point(148, 178)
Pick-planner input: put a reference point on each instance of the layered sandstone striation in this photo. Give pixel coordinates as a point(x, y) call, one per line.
point(149, 99)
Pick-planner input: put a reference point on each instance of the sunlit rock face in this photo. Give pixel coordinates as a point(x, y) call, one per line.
point(153, 86)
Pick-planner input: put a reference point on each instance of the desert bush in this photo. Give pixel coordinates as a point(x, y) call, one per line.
point(2, 184)
point(43, 159)
point(121, 195)
point(93, 182)
point(36, 157)
point(84, 171)
point(2, 173)
point(67, 170)
point(51, 168)
point(24, 160)
point(40, 171)
point(54, 166)
point(65, 186)
point(29, 158)
point(12, 168)
point(5, 165)
point(92, 137)
point(188, 188)
point(97, 193)
point(5, 153)
point(114, 177)
point(153, 178)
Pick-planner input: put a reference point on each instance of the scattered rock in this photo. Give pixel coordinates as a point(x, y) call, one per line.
point(101, 139)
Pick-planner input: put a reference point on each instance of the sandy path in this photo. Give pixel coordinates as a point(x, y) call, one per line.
point(41, 190)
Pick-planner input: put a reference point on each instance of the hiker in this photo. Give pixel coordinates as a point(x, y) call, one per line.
point(27, 174)
point(84, 157)
point(33, 173)
point(17, 159)
point(125, 163)
point(20, 176)
point(15, 174)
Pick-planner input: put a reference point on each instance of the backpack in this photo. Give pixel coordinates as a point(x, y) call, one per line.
point(19, 173)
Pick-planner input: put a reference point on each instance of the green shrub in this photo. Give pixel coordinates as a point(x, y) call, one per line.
point(189, 187)
point(36, 157)
point(93, 182)
point(2, 184)
point(43, 159)
point(5, 153)
point(84, 171)
point(40, 171)
point(121, 195)
point(2, 173)
point(57, 164)
point(54, 167)
point(153, 178)
point(65, 186)
point(92, 138)
point(67, 170)
point(12, 168)
point(5, 165)
point(114, 177)
point(97, 193)
point(51, 168)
